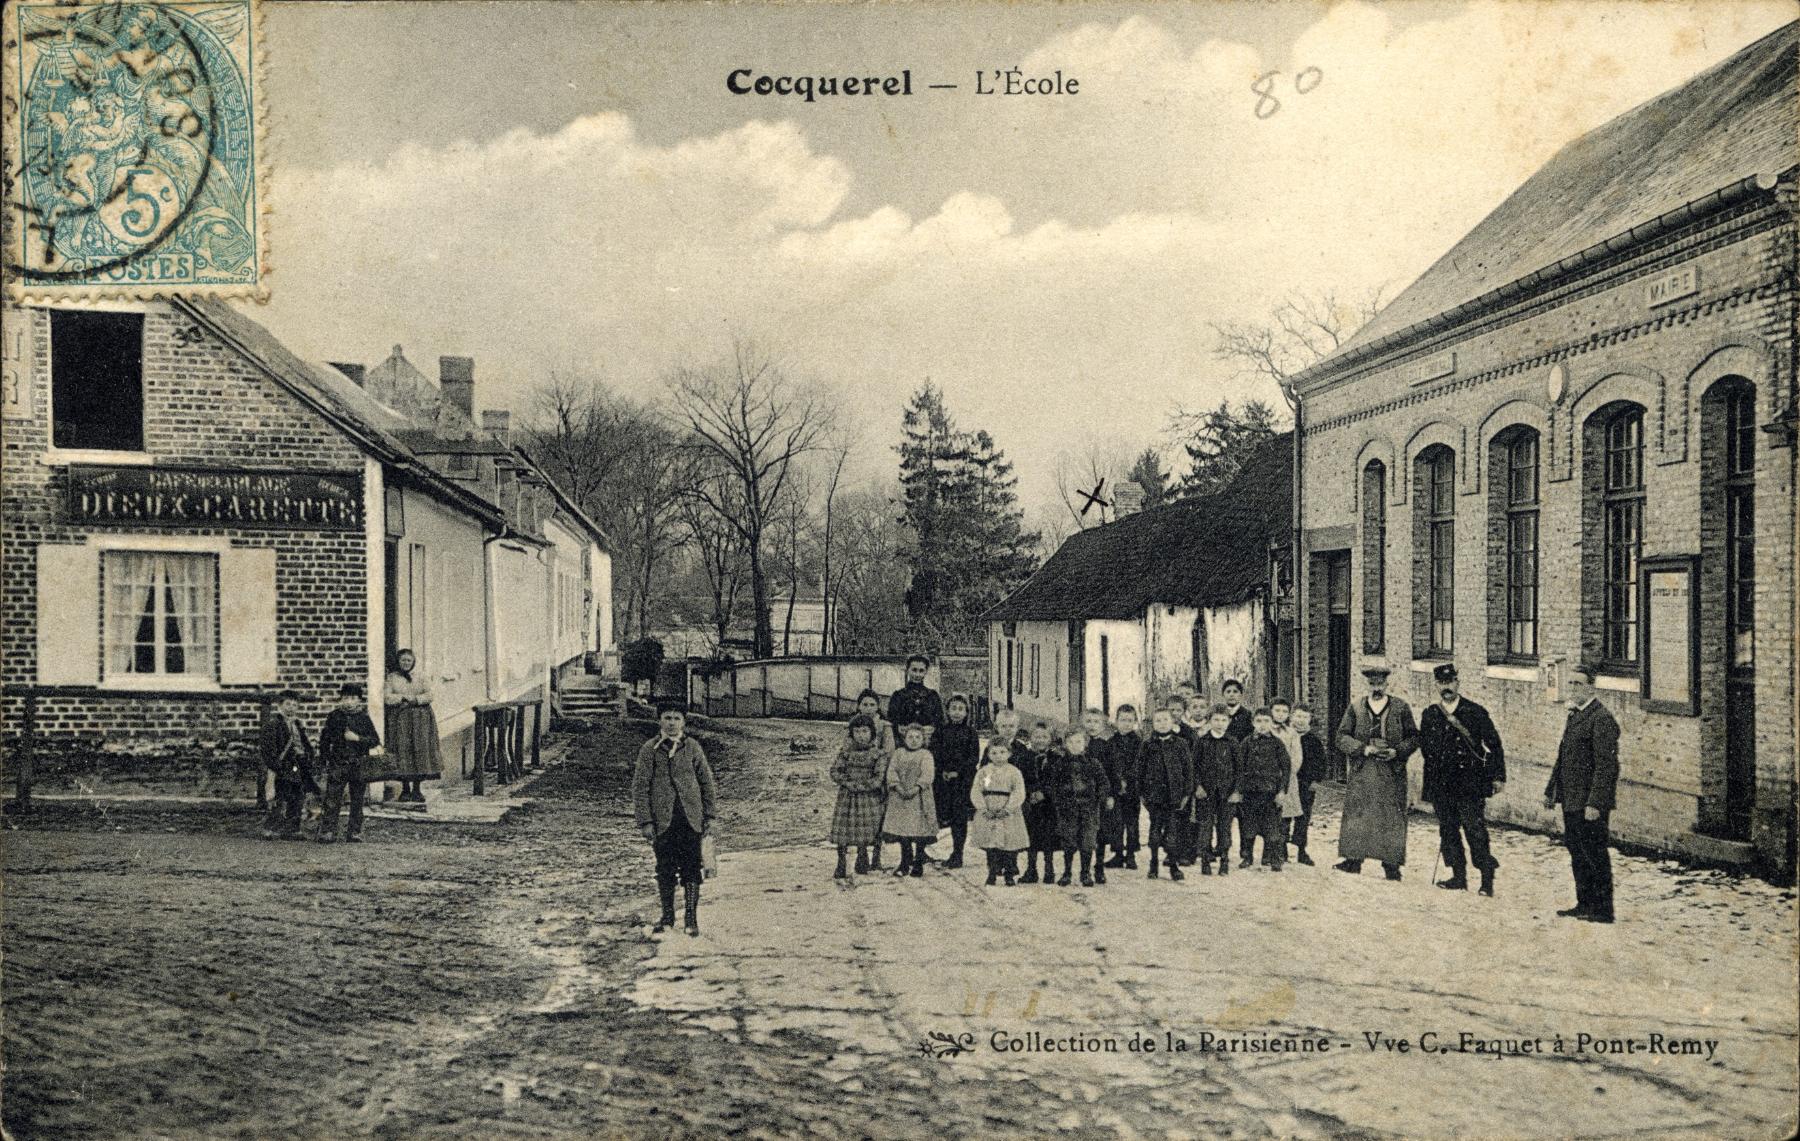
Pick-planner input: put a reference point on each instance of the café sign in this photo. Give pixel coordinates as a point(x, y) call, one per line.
point(210, 497)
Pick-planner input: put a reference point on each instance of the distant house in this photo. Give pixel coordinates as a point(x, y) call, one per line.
point(1125, 612)
point(690, 633)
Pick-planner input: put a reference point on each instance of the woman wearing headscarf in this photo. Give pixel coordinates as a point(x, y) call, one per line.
point(412, 736)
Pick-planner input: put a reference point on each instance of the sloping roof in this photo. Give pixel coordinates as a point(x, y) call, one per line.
point(333, 394)
point(1732, 123)
point(1211, 551)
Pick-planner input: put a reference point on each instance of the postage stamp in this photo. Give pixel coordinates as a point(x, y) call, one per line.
point(134, 154)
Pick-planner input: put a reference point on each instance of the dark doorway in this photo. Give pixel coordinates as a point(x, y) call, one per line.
point(1740, 607)
point(1105, 675)
point(1337, 660)
point(1009, 672)
point(390, 604)
point(1077, 670)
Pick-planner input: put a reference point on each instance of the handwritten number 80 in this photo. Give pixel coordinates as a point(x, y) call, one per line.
point(1264, 87)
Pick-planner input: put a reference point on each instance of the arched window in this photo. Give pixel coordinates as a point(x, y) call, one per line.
point(1434, 552)
point(1374, 556)
point(1622, 499)
point(1612, 529)
point(1513, 507)
point(1740, 527)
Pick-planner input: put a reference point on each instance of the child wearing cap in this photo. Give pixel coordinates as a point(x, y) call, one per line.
point(289, 756)
point(346, 743)
point(1215, 776)
point(911, 809)
point(674, 799)
point(1166, 781)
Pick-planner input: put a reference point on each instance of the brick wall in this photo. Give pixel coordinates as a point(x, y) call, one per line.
point(203, 405)
point(1609, 346)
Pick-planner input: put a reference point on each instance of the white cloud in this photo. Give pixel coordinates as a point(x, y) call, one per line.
point(591, 244)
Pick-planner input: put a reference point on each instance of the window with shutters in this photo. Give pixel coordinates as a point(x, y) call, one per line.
point(160, 616)
point(97, 380)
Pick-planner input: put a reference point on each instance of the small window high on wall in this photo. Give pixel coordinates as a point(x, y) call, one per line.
point(97, 380)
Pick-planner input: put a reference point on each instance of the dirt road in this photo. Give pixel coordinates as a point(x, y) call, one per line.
point(167, 974)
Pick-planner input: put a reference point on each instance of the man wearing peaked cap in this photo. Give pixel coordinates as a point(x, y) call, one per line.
point(1464, 765)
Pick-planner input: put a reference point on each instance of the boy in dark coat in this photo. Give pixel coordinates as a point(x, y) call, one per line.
point(1101, 740)
point(346, 743)
point(1080, 790)
point(1312, 771)
point(1216, 774)
point(1239, 713)
point(1262, 775)
point(1127, 745)
point(289, 756)
point(1166, 782)
point(1032, 759)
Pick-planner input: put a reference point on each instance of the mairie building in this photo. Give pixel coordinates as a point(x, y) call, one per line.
point(1571, 442)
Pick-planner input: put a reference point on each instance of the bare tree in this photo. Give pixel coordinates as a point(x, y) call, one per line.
point(1095, 465)
point(749, 416)
point(1302, 329)
point(620, 463)
point(839, 451)
point(871, 575)
point(717, 544)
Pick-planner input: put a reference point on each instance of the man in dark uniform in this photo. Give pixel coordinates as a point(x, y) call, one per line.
point(1585, 782)
point(915, 703)
point(1464, 765)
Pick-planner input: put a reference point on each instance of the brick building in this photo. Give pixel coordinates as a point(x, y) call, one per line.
point(193, 517)
point(1572, 440)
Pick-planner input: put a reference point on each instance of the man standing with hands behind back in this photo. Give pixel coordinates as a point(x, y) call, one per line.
point(1585, 782)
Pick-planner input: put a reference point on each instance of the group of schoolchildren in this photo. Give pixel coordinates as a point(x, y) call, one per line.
point(1197, 768)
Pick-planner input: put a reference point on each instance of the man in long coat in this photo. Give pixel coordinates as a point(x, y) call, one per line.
point(1585, 782)
point(1377, 735)
point(1464, 765)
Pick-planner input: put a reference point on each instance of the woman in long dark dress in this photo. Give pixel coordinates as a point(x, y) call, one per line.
point(412, 736)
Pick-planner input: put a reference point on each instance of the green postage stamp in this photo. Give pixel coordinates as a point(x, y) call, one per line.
point(133, 150)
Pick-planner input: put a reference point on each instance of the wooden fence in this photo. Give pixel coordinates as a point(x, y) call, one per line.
point(822, 688)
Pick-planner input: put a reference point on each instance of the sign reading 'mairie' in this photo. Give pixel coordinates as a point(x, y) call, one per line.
point(207, 497)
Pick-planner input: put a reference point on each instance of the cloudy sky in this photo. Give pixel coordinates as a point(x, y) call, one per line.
point(572, 186)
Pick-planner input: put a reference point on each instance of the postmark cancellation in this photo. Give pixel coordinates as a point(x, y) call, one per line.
point(133, 152)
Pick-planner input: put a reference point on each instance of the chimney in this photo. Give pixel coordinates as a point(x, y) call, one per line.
point(1128, 499)
point(456, 379)
point(357, 373)
point(496, 424)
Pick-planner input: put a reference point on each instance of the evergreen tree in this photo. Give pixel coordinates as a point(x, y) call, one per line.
point(1218, 442)
point(1148, 474)
point(959, 500)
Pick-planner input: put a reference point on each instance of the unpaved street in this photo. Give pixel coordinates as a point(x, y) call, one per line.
point(168, 974)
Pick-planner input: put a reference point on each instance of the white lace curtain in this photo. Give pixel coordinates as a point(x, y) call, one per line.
point(160, 611)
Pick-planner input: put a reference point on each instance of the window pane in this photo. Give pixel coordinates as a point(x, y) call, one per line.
point(159, 613)
point(97, 380)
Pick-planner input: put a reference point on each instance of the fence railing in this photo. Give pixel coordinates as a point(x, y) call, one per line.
point(503, 743)
point(802, 688)
point(502, 740)
point(24, 752)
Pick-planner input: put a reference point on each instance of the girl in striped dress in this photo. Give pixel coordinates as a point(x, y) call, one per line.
point(860, 773)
